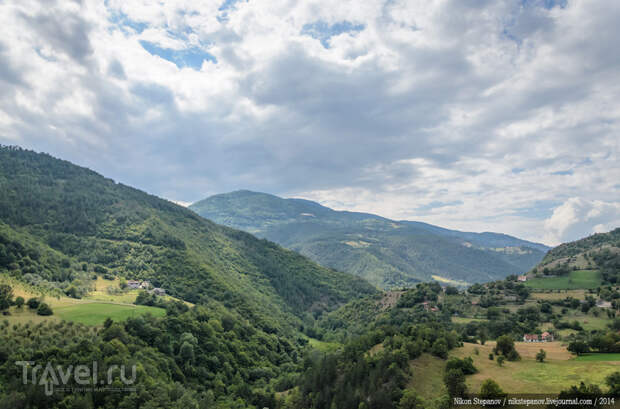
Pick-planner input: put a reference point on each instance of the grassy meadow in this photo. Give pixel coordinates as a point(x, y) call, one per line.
point(90, 310)
point(598, 357)
point(559, 371)
point(579, 279)
point(95, 313)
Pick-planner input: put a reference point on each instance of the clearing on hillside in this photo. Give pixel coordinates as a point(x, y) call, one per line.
point(575, 280)
point(557, 373)
point(96, 313)
point(427, 378)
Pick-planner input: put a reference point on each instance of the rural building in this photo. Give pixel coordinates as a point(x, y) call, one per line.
point(133, 284)
point(159, 291)
point(522, 278)
point(603, 304)
point(544, 337)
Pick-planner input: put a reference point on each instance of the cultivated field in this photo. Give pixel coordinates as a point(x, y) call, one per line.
point(558, 295)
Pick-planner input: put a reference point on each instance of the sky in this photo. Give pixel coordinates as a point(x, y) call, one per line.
point(474, 115)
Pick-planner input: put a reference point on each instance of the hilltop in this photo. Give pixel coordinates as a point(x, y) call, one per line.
point(59, 221)
point(387, 253)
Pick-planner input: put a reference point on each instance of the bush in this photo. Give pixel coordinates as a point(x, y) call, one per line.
point(491, 390)
point(33, 303)
point(440, 348)
point(44, 309)
point(541, 355)
point(466, 365)
point(19, 302)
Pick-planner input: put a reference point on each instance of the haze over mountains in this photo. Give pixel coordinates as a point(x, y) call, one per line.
point(387, 253)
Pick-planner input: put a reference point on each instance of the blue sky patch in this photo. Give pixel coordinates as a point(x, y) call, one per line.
point(548, 4)
point(563, 172)
point(190, 57)
point(225, 7)
point(123, 21)
point(323, 31)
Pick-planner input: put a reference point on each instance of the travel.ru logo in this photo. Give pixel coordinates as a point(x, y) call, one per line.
point(87, 376)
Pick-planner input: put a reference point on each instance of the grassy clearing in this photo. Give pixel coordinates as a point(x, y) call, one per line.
point(450, 281)
point(559, 295)
point(96, 313)
point(588, 321)
point(598, 357)
point(466, 320)
point(91, 310)
point(322, 345)
point(559, 372)
point(579, 279)
point(427, 378)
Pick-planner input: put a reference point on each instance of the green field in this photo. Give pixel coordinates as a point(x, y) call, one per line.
point(467, 320)
point(427, 378)
point(96, 313)
point(598, 357)
point(574, 280)
point(322, 345)
point(558, 372)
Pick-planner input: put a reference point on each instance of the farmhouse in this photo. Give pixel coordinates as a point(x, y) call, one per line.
point(522, 278)
point(603, 304)
point(544, 337)
point(133, 284)
point(159, 291)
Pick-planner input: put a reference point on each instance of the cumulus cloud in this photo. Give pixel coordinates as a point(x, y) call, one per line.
point(579, 217)
point(480, 115)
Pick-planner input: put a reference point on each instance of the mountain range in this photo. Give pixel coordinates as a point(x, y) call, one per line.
point(387, 253)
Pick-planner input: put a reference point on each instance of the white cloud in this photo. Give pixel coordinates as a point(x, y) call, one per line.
point(475, 115)
point(579, 217)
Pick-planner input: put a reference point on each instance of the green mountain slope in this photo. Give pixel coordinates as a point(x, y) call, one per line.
point(599, 251)
point(56, 217)
point(385, 252)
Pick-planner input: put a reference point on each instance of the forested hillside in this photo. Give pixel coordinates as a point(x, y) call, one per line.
point(62, 225)
point(56, 215)
point(385, 252)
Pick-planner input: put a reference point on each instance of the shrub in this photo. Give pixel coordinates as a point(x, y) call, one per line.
point(44, 309)
point(491, 390)
point(541, 355)
point(19, 302)
point(33, 303)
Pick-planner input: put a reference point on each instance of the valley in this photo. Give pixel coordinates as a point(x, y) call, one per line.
point(227, 320)
point(387, 253)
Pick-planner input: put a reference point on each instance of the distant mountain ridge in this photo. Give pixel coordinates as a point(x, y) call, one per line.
point(388, 253)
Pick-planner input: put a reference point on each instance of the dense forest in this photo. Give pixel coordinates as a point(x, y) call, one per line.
point(387, 253)
point(58, 219)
